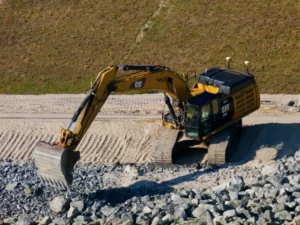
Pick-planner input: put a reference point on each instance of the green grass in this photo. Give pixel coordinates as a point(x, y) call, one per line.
point(59, 46)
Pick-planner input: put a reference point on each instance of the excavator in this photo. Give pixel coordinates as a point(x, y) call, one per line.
point(207, 113)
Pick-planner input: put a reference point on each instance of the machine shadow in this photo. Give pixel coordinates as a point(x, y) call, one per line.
point(141, 188)
point(262, 142)
point(115, 196)
point(265, 142)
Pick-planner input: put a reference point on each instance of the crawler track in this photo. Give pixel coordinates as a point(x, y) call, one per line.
point(218, 147)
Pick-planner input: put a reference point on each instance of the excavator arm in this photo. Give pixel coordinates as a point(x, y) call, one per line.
point(150, 77)
point(55, 162)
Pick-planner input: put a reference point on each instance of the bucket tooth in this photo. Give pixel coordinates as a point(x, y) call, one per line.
point(55, 164)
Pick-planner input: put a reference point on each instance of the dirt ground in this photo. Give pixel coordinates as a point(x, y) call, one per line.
point(127, 128)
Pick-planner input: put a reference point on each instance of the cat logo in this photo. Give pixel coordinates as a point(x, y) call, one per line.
point(225, 109)
point(138, 84)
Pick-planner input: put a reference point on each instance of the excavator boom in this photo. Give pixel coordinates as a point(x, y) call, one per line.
point(55, 161)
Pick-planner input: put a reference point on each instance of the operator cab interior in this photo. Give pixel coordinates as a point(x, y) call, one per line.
point(202, 115)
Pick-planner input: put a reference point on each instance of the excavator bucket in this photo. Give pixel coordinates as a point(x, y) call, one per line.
point(55, 164)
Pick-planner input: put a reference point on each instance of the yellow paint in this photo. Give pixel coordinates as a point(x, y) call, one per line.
point(164, 79)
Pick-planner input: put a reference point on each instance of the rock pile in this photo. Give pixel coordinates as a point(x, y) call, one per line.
point(272, 198)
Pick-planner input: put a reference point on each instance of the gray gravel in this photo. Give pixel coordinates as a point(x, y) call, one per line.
point(274, 196)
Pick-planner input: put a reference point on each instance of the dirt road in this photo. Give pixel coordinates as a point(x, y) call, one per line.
point(127, 129)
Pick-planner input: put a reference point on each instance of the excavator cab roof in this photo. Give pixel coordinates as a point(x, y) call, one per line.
point(203, 98)
point(229, 81)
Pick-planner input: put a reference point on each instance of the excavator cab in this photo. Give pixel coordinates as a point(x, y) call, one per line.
point(204, 118)
point(214, 118)
point(202, 115)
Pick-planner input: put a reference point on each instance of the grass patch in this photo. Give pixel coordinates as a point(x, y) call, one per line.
point(200, 34)
point(59, 46)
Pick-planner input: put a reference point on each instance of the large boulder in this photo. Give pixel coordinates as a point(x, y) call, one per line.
point(60, 221)
point(270, 169)
point(229, 213)
point(142, 220)
point(269, 215)
point(168, 219)
point(59, 204)
point(45, 221)
point(175, 196)
point(132, 170)
point(23, 220)
point(284, 215)
point(294, 179)
point(278, 207)
point(79, 220)
point(147, 210)
point(209, 207)
point(11, 186)
point(271, 192)
point(276, 179)
point(243, 212)
point(107, 211)
point(235, 185)
point(73, 211)
point(180, 215)
point(297, 153)
point(127, 219)
point(157, 221)
point(282, 199)
point(9, 220)
point(291, 205)
point(78, 204)
point(203, 215)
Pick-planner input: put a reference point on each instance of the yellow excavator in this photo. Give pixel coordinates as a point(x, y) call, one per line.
point(206, 114)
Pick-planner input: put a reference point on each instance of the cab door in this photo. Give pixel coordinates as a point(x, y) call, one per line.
point(206, 120)
point(192, 121)
point(202, 119)
point(210, 117)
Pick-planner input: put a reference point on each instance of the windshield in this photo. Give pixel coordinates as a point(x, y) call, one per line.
point(205, 113)
point(192, 115)
point(192, 121)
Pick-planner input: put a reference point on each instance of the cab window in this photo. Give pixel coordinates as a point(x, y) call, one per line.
point(205, 113)
point(192, 121)
point(192, 115)
point(206, 119)
point(215, 107)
